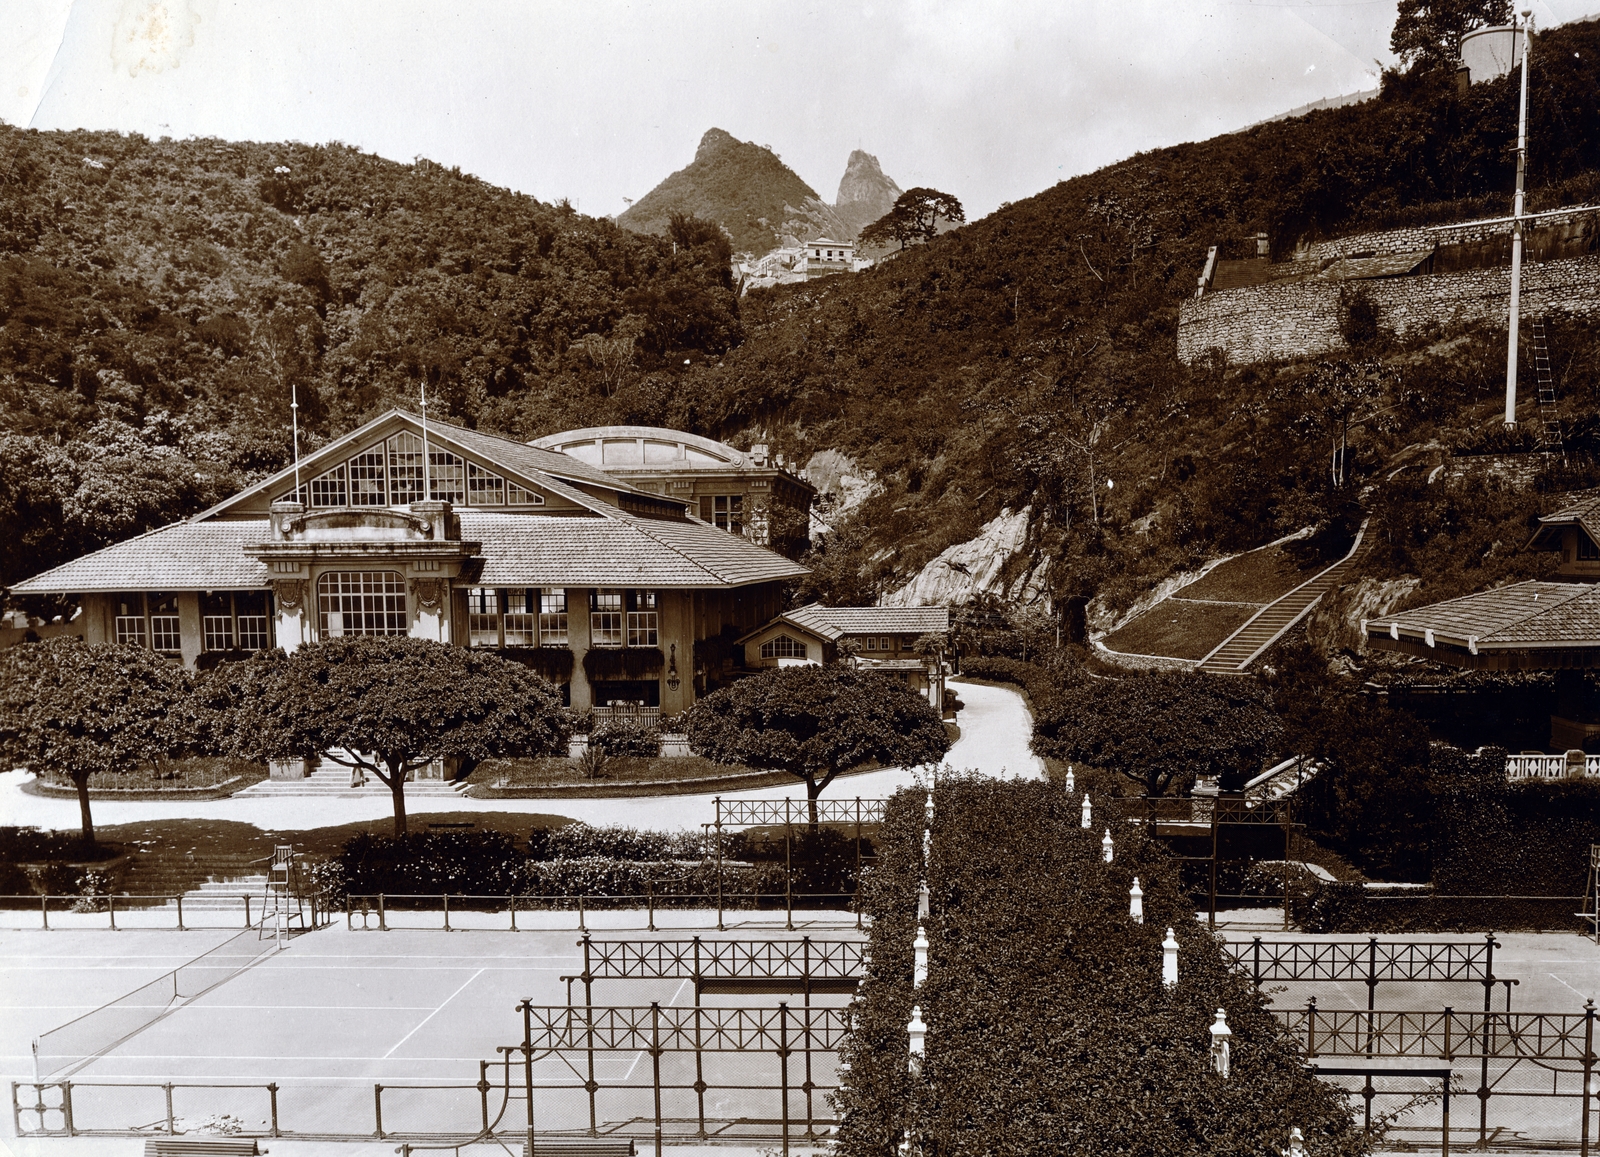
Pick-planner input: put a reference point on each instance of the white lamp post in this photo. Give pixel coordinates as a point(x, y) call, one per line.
point(1169, 960)
point(1297, 1144)
point(1086, 813)
point(1220, 1034)
point(1072, 784)
point(1106, 847)
point(924, 905)
point(920, 945)
point(1136, 902)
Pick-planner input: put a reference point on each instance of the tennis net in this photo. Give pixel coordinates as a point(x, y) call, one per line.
point(69, 1047)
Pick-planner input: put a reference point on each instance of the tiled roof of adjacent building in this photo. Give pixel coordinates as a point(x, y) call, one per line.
point(1584, 513)
point(835, 622)
point(184, 556)
point(1523, 616)
point(615, 550)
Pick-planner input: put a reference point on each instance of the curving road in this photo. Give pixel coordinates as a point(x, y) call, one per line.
point(995, 729)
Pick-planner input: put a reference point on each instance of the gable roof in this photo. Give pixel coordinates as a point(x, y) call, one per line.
point(529, 465)
point(193, 555)
point(1525, 616)
point(1584, 514)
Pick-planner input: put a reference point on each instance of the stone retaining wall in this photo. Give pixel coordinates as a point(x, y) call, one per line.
point(1301, 319)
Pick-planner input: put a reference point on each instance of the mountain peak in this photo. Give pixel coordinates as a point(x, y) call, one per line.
point(714, 142)
point(864, 180)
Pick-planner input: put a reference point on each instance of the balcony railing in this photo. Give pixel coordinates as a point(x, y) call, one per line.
point(632, 712)
point(1520, 767)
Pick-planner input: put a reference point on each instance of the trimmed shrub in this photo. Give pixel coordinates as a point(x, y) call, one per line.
point(579, 841)
point(473, 863)
point(1049, 1027)
point(626, 737)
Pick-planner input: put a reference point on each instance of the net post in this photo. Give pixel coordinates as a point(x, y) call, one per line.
point(446, 911)
point(44, 912)
point(377, 1110)
point(582, 927)
point(180, 912)
point(111, 910)
point(650, 902)
point(383, 925)
point(272, 1093)
point(247, 921)
point(513, 899)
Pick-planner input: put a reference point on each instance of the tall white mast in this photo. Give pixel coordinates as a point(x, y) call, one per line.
point(427, 459)
point(1516, 228)
point(294, 420)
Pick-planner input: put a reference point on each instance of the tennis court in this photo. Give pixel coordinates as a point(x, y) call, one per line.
point(338, 1013)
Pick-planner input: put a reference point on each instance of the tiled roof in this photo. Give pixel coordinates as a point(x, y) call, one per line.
point(617, 551)
point(833, 622)
point(525, 458)
point(613, 550)
point(1585, 514)
point(184, 556)
point(1526, 615)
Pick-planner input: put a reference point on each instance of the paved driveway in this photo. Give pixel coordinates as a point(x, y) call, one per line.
point(995, 728)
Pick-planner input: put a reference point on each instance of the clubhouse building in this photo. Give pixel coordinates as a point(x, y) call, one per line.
point(628, 599)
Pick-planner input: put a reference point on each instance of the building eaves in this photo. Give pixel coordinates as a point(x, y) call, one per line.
point(1526, 614)
point(182, 556)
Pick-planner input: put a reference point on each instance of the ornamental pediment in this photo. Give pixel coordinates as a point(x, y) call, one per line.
point(370, 525)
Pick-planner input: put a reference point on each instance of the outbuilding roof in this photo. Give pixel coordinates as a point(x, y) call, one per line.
point(833, 623)
point(1529, 624)
point(1584, 514)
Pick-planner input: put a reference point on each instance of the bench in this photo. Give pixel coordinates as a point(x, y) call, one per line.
point(201, 1147)
point(580, 1147)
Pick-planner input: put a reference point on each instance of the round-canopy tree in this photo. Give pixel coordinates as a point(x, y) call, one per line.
point(1163, 727)
point(393, 705)
point(74, 709)
point(815, 722)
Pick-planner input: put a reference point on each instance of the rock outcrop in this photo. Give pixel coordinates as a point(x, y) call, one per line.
point(981, 566)
point(1335, 623)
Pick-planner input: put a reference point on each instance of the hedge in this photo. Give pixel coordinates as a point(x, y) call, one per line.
point(626, 737)
point(1049, 1028)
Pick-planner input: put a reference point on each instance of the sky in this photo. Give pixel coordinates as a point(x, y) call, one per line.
point(598, 100)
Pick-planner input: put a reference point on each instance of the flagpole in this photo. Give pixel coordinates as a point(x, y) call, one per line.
point(294, 420)
point(1516, 230)
point(427, 459)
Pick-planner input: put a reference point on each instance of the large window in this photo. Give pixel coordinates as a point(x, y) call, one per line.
point(522, 618)
point(361, 602)
point(391, 472)
point(783, 647)
point(166, 631)
point(642, 619)
point(130, 620)
point(605, 619)
point(250, 620)
point(724, 511)
point(483, 616)
point(553, 619)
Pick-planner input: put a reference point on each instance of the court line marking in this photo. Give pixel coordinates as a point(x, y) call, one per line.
point(434, 1013)
point(640, 1055)
point(1565, 985)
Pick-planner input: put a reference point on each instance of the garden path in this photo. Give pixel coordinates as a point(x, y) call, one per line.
point(995, 730)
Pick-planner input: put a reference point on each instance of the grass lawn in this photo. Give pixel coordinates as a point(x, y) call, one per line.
point(558, 771)
point(1179, 629)
point(1259, 577)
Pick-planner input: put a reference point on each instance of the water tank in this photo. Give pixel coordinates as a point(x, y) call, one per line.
point(1491, 52)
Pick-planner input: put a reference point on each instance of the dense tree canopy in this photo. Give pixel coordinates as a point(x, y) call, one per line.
point(1429, 32)
point(1162, 730)
point(815, 722)
point(75, 709)
point(390, 706)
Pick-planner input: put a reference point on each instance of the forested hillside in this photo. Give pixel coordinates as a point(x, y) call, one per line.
point(159, 299)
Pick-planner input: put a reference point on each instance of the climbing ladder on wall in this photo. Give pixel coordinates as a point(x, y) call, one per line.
point(1550, 440)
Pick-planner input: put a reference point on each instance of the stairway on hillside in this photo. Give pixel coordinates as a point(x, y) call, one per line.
point(333, 781)
point(1267, 625)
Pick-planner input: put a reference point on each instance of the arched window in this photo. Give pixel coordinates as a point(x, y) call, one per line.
point(361, 602)
point(783, 647)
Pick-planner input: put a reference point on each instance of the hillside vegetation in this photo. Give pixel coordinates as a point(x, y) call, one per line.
point(157, 295)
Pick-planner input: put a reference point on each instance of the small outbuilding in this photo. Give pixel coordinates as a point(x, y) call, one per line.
point(884, 639)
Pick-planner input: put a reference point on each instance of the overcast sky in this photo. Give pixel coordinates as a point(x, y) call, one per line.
point(598, 100)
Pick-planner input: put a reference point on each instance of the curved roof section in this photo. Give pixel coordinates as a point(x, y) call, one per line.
point(643, 446)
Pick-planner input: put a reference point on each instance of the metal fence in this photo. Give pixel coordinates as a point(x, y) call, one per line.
point(1371, 962)
point(372, 912)
point(801, 966)
point(245, 913)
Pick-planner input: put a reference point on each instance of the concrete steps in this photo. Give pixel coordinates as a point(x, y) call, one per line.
point(333, 782)
point(1267, 625)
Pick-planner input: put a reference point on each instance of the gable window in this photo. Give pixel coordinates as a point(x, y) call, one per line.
point(405, 469)
point(553, 618)
point(783, 647)
point(447, 475)
point(484, 488)
point(329, 489)
point(361, 602)
point(643, 623)
point(367, 481)
point(605, 618)
point(130, 620)
point(519, 496)
point(483, 617)
point(166, 632)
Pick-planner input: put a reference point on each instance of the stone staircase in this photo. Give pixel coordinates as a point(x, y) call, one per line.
point(1267, 625)
point(225, 895)
point(333, 782)
point(1281, 780)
